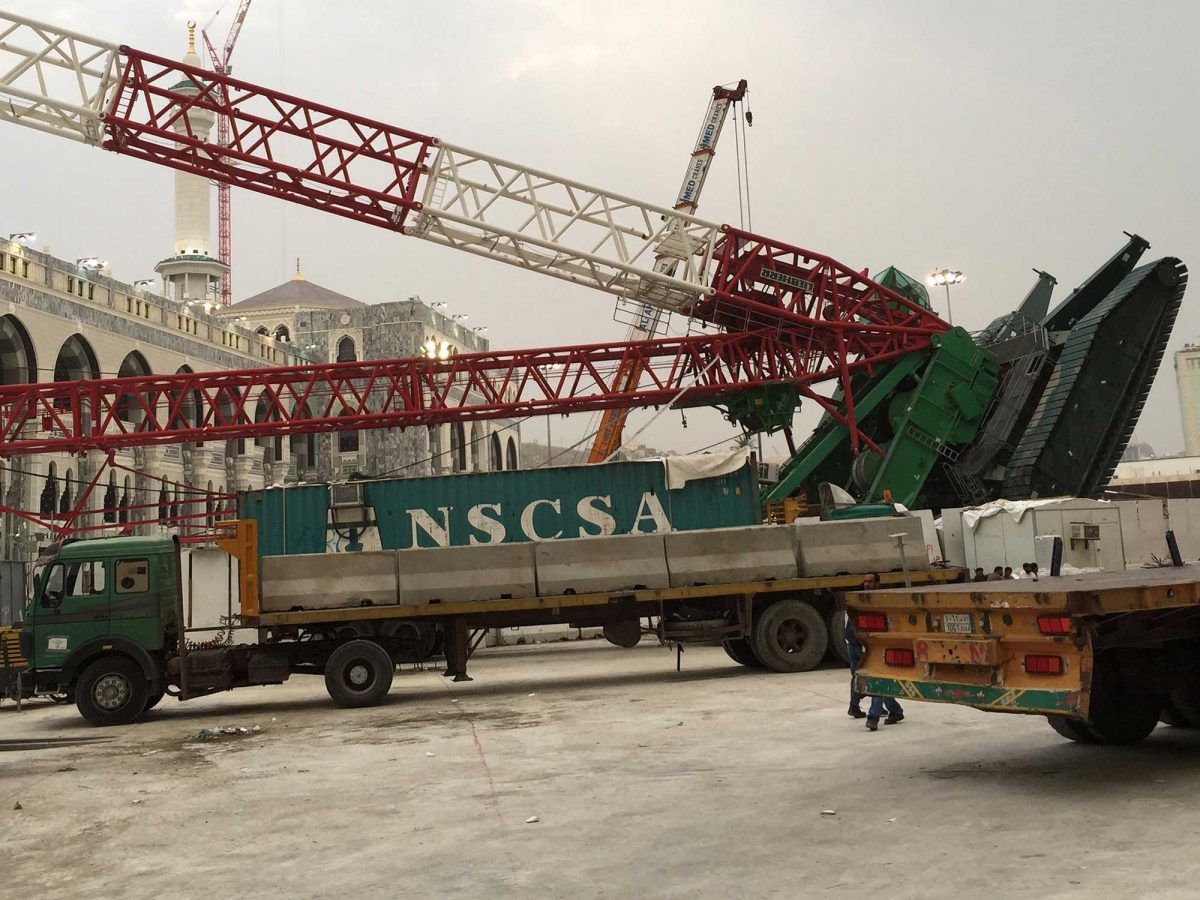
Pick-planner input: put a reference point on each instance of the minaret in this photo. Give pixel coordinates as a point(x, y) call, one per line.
point(192, 273)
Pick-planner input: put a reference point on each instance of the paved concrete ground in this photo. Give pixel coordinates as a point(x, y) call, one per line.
point(647, 783)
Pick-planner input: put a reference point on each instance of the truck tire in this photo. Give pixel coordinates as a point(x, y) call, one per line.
point(1118, 713)
point(836, 624)
point(739, 650)
point(1072, 729)
point(111, 691)
point(358, 673)
point(790, 636)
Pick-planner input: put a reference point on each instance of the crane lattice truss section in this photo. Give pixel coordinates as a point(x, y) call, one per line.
point(762, 311)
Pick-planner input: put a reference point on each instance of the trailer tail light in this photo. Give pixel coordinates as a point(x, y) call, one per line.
point(1054, 624)
point(871, 622)
point(898, 656)
point(1038, 664)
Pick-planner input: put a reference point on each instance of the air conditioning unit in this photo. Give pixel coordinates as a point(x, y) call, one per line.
point(1084, 533)
point(348, 505)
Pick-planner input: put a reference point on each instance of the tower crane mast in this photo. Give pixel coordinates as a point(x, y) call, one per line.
point(649, 318)
point(221, 65)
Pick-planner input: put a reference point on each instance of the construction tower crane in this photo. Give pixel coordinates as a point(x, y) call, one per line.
point(649, 318)
point(1043, 403)
point(770, 323)
point(221, 64)
point(789, 316)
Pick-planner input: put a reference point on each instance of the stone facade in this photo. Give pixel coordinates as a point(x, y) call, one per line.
point(59, 321)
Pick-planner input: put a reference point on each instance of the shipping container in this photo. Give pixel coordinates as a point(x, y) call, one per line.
point(511, 507)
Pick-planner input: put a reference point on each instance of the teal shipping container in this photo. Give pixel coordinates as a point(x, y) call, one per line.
point(511, 507)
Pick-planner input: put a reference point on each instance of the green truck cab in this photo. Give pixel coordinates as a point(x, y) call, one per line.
point(106, 626)
point(101, 623)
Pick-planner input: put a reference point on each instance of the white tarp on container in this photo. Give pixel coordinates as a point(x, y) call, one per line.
point(682, 469)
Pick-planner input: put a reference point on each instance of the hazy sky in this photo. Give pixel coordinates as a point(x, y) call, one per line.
point(989, 137)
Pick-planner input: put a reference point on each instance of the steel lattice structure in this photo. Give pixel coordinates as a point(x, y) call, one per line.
point(765, 312)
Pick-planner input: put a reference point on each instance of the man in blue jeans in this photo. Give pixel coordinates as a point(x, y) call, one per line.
point(895, 713)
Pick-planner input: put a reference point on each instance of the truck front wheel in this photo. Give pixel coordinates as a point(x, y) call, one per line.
point(790, 636)
point(358, 673)
point(111, 691)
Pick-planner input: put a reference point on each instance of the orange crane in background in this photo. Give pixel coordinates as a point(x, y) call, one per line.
point(221, 66)
point(647, 318)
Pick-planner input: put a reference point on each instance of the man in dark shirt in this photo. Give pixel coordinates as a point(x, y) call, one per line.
point(855, 649)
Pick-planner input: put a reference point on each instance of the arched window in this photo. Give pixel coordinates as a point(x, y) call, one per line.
point(64, 501)
point(164, 502)
point(495, 454)
point(347, 440)
point(435, 448)
point(210, 506)
point(513, 462)
point(17, 362)
point(346, 351)
point(476, 447)
point(49, 499)
point(458, 450)
point(123, 506)
point(282, 333)
point(303, 447)
point(128, 408)
point(263, 330)
point(266, 411)
point(229, 412)
point(110, 498)
point(188, 412)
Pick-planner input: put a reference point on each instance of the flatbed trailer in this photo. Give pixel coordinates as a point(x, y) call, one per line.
point(106, 626)
point(1105, 657)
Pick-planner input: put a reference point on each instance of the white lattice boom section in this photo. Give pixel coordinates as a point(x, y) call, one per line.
point(54, 80)
point(568, 229)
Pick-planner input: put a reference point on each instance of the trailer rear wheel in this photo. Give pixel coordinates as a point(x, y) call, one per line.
point(111, 691)
point(740, 651)
point(1119, 713)
point(358, 673)
point(790, 636)
point(1072, 729)
point(837, 636)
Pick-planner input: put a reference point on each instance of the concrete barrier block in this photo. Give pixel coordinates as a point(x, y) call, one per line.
point(858, 546)
point(724, 555)
point(464, 574)
point(616, 563)
point(328, 580)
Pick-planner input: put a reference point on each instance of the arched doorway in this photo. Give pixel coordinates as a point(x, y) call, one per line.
point(495, 454)
point(18, 365)
point(513, 462)
point(128, 408)
point(272, 445)
point(458, 450)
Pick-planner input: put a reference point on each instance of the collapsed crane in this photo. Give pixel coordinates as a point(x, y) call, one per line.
point(771, 324)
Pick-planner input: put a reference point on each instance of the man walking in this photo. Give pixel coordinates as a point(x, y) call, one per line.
point(855, 650)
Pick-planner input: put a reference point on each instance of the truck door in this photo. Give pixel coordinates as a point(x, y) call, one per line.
point(136, 601)
point(71, 609)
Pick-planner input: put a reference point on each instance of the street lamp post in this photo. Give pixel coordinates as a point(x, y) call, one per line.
point(945, 278)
